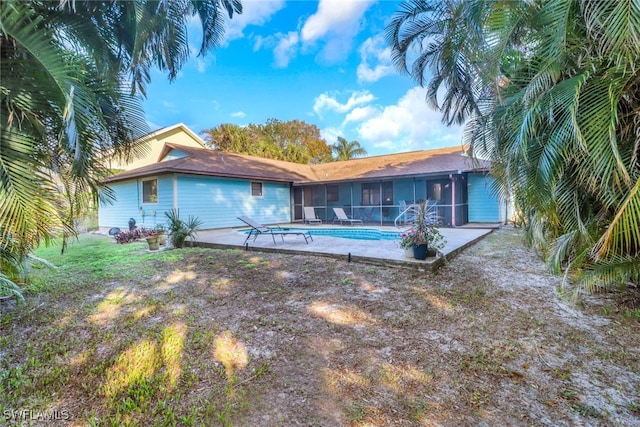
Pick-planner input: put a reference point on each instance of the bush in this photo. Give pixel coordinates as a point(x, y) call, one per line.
point(179, 230)
point(129, 236)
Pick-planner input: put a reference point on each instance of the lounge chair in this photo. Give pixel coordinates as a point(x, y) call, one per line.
point(258, 229)
point(310, 216)
point(342, 217)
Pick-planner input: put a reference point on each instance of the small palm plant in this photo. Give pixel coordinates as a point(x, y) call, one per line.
point(180, 230)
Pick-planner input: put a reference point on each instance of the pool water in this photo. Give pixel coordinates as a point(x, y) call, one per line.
point(351, 233)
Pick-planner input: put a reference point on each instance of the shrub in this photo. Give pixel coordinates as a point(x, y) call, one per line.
point(179, 230)
point(129, 236)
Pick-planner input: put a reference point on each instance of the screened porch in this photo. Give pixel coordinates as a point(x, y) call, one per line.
point(383, 202)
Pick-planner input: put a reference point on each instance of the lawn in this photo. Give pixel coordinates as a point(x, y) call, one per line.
point(120, 336)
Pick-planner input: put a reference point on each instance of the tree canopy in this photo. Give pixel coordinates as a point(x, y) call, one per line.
point(549, 91)
point(294, 140)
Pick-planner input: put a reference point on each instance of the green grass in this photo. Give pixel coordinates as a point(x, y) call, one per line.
point(94, 320)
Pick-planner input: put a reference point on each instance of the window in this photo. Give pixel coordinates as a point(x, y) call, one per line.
point(150, 191)
point(371, 194)
point(333, 193)
point(256, 189)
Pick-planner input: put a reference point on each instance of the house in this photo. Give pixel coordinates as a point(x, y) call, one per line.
point(217, 187)
point(153, 143)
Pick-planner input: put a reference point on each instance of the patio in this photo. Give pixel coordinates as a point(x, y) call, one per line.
point(378, 252)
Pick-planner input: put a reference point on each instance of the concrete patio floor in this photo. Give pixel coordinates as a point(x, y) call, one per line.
point(378, 252)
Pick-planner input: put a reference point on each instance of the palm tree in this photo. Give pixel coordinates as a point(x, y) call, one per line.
point(345, 150)
point(549, 91)
point(70, 74)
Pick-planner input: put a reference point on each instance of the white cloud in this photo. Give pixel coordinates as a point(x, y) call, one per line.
point(359, 114)
point(254, 12)
point(333, 15)
point(331, 134)
point(336, 22)
point(408, 125)
point(374, 50)
point(327, 102)
point(239, 114)
point(285, 49)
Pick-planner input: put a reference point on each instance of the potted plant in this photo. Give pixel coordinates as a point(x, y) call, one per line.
point(424, 234)
point(153, 240)
point(161, 232)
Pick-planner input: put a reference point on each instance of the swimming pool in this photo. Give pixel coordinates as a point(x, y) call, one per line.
point(349, 233)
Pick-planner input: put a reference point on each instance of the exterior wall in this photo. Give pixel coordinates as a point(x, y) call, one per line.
point(216, 201)
point(484, 206)
point(128, 204)
point(219, 201)
point(155, 145)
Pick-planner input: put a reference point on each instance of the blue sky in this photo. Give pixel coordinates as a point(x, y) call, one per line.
point(323, 62)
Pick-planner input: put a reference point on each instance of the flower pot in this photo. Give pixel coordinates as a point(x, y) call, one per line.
point(420, 251)
point(408, 252)
point(162, 239)
point(153, 243)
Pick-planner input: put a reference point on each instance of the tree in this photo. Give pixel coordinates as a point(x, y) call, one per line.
point(549, 91)
point(70, 74)
point(294, 141)
point(345, 150)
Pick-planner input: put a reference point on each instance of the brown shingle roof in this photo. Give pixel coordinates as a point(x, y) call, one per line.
point(202, 161)
point(438, 161)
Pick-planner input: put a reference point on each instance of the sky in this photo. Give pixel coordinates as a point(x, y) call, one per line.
point(323, 62)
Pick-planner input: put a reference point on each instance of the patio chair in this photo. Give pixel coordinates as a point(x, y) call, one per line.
point(342, 217)
point(310, 216)
point(257, 229)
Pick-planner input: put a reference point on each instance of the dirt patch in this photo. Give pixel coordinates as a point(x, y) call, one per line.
point(245, 338)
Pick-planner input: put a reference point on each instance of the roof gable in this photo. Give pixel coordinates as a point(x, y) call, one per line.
point(160, 133)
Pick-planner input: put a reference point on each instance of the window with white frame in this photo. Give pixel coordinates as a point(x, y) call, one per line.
point(256, 189)
point(150, 191)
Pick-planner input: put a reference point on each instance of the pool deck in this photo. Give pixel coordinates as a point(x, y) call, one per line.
point(378, 252)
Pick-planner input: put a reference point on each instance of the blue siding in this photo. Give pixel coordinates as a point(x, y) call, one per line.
point(128, 204)
point(219, 201)
point(483, 204)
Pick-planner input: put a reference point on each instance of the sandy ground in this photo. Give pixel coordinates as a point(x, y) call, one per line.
point(274, 340)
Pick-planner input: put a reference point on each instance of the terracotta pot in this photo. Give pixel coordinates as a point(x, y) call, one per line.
point(153, 243)
point(162, 239)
